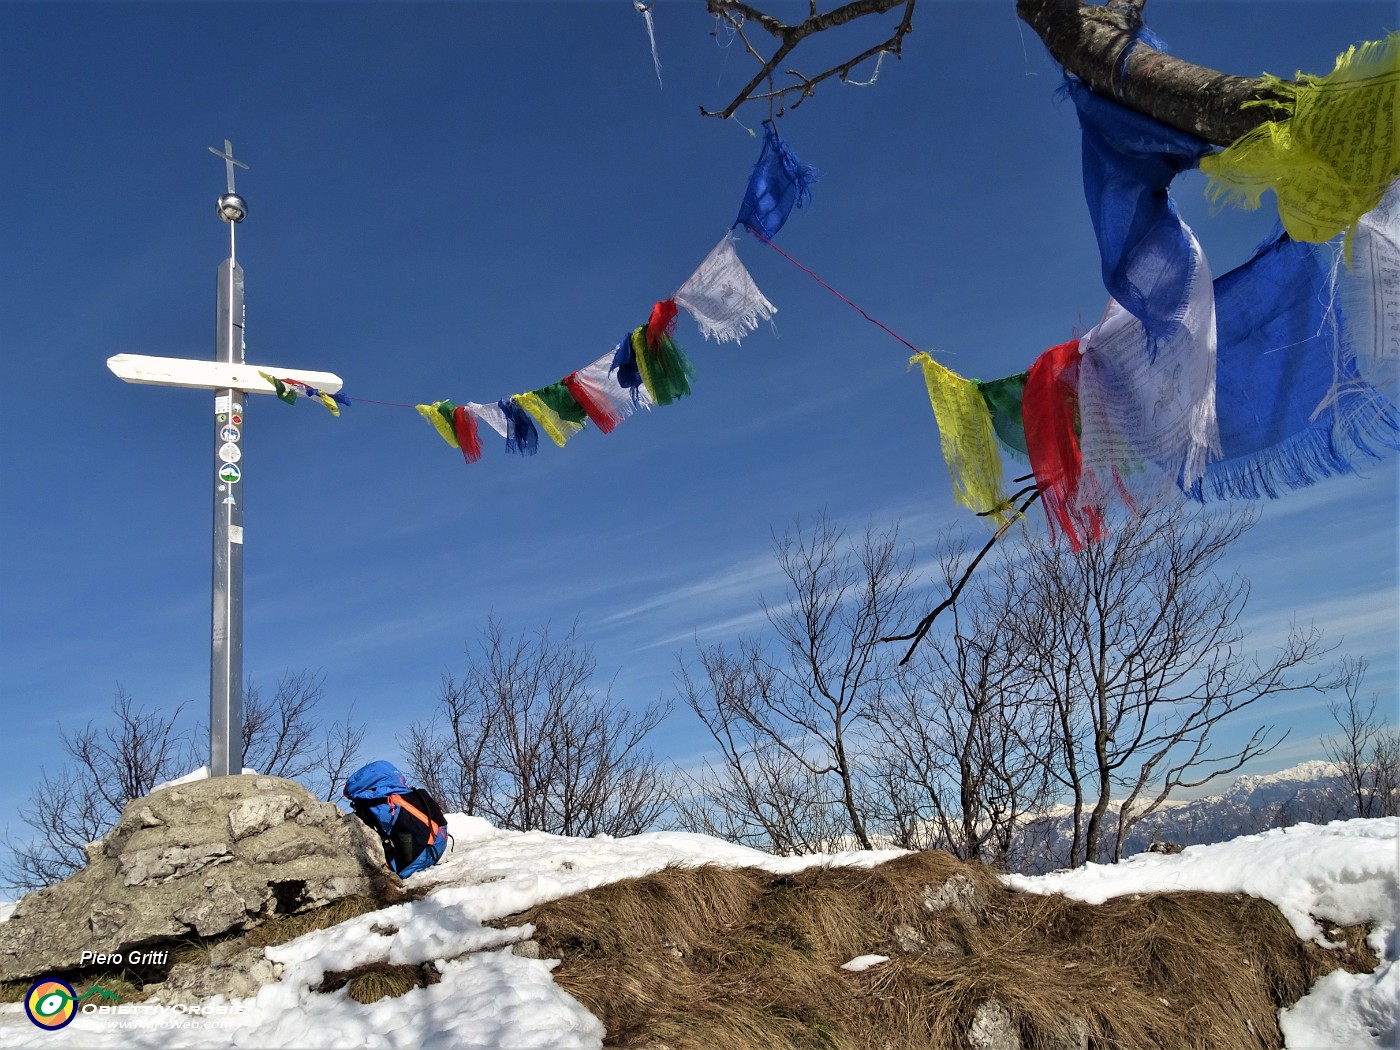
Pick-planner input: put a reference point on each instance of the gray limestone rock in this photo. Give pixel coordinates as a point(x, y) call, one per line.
point(993, 1028)
point(201, 858)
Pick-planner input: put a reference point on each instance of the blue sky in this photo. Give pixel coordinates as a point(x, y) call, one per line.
point(469, 200)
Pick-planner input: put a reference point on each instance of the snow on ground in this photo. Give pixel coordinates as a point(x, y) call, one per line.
point(1346, 872)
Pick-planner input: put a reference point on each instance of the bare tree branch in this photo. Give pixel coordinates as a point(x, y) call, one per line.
point(736, 13)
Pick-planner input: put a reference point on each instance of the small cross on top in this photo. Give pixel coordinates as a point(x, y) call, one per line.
point(229, 161)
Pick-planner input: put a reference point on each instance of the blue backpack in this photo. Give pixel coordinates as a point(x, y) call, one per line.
point(408, 820)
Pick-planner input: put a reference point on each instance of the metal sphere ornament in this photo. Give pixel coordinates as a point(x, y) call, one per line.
point(232, 207)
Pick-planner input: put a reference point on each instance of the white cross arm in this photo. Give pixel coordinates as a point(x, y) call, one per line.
point(213, 375)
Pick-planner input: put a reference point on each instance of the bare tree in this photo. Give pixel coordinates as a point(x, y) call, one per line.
point(1099, 43)
point(1366, 750)
point(526, 741)
point(339, 751)
point(812, 698)
point(109, 767)
point(964, 763)
point(1134, 646)
point(278, 734)
point(757, 791)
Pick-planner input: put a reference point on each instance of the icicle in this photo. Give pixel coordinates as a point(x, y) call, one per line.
point(645, 9)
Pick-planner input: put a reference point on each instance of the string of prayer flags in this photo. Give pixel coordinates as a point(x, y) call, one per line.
point(1331, 153)
point(721, 295)
point(1146, 250)
point(1292, 407)
point(779, 183)
point(287, 390)
point(967, 437)
point(1049, 410)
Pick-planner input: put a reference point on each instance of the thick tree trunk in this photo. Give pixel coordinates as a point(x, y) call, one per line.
point(1089, 42)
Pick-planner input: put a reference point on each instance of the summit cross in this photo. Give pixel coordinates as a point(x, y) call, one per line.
point(230, 378)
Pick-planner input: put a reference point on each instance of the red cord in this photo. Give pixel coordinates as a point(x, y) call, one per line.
point(834, 292)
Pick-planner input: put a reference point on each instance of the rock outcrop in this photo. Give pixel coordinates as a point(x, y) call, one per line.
point(204, 858)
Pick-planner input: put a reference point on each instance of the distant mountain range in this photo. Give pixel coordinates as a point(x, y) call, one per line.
point(1312, 792)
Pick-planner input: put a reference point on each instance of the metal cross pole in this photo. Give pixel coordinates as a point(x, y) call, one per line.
point(230, 378)
point(226, 652)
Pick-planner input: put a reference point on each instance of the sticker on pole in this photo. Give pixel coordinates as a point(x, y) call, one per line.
point(222, 403)
point(229, 452)
point(230, 473)
point(230, 433)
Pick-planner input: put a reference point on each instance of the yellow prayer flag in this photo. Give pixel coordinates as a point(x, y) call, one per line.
point(968, 439)
point(433, 416)
point(551, 422)
point(1332, 153)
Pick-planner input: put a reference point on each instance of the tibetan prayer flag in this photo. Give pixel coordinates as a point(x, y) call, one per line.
point(468, 437)
point(1293, 409)
point(967, 437)
point(665, 370)
point(521, 435)
point(555, 410)
point(1003, 397)
point(442, 424)
point(1137, 409)
point(492, 415)
point(1368, 295)
point(662, 321)
point(1145, 250)
point(1331, 152)
point(597, 391)
point(284, 393)
point(722, 296)
point(779, 183)
point(624, 363)
point(1049, 409)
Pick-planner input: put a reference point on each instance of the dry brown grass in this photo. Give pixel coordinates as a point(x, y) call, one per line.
point(723, 959)
point(379, 980)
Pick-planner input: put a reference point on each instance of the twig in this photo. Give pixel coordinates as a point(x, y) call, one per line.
point(917, 635)
point(789, 36)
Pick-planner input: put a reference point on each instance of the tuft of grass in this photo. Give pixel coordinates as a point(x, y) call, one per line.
point(711, 958)
point(380, 980)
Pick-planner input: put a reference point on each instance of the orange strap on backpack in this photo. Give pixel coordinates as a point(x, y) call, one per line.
point(433, 826)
